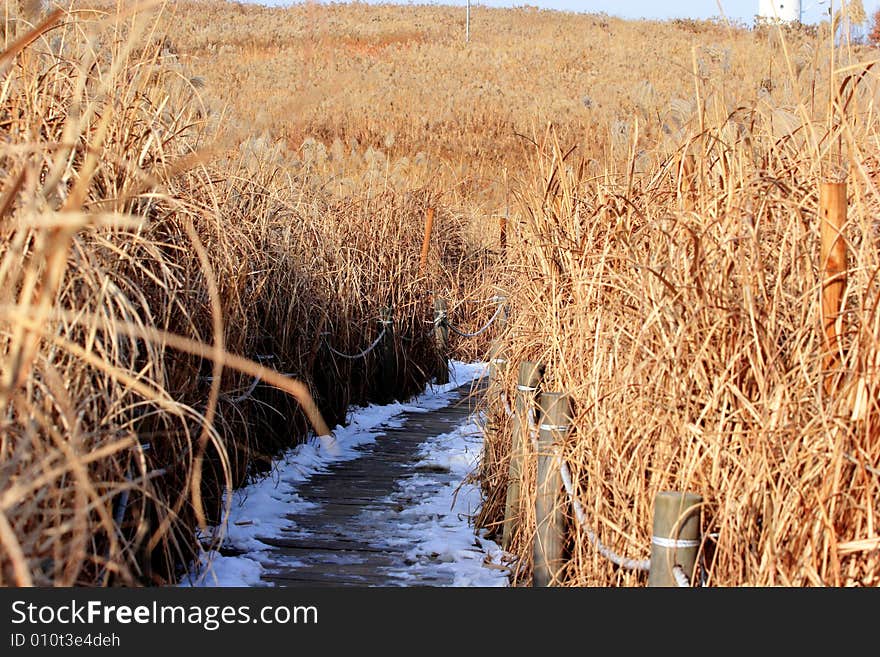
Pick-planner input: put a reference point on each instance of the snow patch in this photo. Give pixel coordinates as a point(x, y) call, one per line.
point(438, 526)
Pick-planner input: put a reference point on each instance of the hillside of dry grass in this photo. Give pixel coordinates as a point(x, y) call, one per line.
point(401, 82)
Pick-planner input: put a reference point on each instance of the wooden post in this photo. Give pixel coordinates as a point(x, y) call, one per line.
point(506, 218)
point(832, 265)
point(441, 334)
point(494, 394)
point(497, 364)
point(387, 353)
point(547, 548)
point(676, 537)
point(496, 411)
point(426, 242)
point(497, 360)
point(527, 382)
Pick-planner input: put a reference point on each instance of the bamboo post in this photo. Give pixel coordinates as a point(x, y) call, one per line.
point(497, 365)
point(497, 359)
point(547, 548)
point(676, 537)
point(832, 258)
point(504, 317)
point(426, 241)
point(388, 355)
point(497, 372)
point(441, 334)
point(528, 379)
point(506, 218)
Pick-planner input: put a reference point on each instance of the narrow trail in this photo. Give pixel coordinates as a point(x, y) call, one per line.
point(352, 535)
point(387, 508)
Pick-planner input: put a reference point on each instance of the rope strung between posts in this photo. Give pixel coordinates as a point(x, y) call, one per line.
point(253, 385)
point(580, 514)
point(248, 392)
point(496, 299)
point(613, 557)
point(442, 318)
point(629, 564)
point(361, 354)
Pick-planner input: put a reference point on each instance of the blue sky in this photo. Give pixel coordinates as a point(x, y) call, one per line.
point(743, 10)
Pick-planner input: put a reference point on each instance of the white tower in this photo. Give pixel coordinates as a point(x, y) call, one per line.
point(779, 11)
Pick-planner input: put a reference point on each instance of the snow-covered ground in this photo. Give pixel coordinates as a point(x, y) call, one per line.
point(435, 531)
point(437, 527)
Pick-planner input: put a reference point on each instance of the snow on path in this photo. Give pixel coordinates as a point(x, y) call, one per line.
point(437, 529)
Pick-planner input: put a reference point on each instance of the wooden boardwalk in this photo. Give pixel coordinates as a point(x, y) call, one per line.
point(353, 535)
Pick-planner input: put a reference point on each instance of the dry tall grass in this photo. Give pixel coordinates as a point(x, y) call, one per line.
point(210, 179)
point(135, 265)
point(680, 308)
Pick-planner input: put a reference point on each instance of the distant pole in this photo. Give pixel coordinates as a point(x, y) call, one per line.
point(467, 23)
point(441, 335)
point(426, 242)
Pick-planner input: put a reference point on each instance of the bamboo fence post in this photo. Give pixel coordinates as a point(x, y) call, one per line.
point(497, 372)
point(676, 537)
point(426, 241)
point(506, 218)
point(497, 366)
point(832, 259)
point(388, 354)
point(547, 547)
point(497, 360)
point(528, 379)
point(441, 334)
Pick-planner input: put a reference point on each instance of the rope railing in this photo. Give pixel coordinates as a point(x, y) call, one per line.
point(463, 334)
point(360, 354)
point(498, 298)
point(247, 393)
point(440, 320)
point(675, 539)
point(601, 548)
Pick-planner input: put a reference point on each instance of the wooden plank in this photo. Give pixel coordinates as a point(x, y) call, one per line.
point(319, 544)
point(360, 502)
point(319, 579)
point(361, 570)
point(328, 511)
